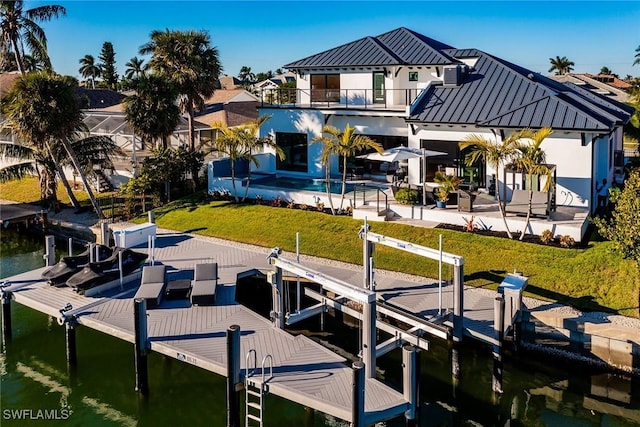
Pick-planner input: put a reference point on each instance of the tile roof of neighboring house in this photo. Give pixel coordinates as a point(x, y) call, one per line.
point(591, 82)
point(230, 82)
point(497, 93)
point(397, 47)
point(7, 80)
point(100, 98)
point(230, 107)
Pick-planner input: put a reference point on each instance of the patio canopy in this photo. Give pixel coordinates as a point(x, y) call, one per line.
point(400, 153)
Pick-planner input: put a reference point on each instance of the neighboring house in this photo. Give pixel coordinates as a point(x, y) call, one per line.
point(229, 107)
point(230, 82)
point(606, 85)
point(403, 88)
point(272, 90)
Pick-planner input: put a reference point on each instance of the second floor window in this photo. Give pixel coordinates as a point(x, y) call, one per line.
point(413, 76)
point(325, 88)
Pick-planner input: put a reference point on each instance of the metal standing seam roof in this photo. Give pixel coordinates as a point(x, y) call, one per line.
point(497, 93)
point(397, 47)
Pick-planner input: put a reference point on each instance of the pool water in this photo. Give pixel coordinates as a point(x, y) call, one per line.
point(317, 185)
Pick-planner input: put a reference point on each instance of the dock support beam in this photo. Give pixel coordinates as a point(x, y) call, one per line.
point(410, 381)
point(369, 338)
point(140, 345)
point(357, 391)
point(277, 314)
point(49, 250)
point(458, 302)
point(498, 326)
point(6, 316)
point(233, 376)
point(368, 248)
point(70, 335)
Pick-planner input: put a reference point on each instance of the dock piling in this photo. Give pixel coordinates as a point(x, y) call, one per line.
point(140, 345)
point(277, 313)
point(498, 326)
point(458, 302)
point(455, 366)
point(152, 216)
point(70, 335)
point(6, 315)
point(369, 333)
point(357, 391)
point(49, 250)
point(104, 233)
point(233, 376)
point(410, 381)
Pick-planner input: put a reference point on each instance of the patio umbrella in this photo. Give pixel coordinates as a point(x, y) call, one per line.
point(397, 154)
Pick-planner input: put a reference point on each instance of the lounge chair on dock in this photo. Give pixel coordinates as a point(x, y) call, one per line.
point(152, 284)
point(203, 287)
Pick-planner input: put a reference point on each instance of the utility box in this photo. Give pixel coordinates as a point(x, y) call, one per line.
point(511, 289)
point(135, 236)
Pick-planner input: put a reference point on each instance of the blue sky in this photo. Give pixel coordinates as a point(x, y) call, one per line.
point(268, 34)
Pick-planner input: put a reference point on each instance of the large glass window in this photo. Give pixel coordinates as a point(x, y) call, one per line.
point(325, 88)
point(294, 146)
point(452, 162)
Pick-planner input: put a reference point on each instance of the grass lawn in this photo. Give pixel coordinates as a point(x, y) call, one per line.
point(591, 279)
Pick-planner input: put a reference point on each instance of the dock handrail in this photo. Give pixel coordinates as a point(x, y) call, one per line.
point(249, 370)
point(266, 358)
point(379, 195)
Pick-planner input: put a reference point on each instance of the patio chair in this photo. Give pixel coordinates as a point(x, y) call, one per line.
point(152, 284)
point(203, 286)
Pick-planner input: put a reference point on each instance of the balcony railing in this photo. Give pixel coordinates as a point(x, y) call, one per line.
point(375, 99)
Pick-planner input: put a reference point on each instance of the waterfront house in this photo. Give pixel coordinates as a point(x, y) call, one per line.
point(403, 88)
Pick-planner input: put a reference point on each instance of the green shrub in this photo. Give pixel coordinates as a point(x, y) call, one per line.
point(407, 196)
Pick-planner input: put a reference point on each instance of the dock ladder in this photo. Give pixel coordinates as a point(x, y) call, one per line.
point(254, 392)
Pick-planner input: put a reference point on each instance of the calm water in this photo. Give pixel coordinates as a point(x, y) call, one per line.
point(99, 392)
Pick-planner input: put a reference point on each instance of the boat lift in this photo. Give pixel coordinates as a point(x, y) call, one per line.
point(344, 292)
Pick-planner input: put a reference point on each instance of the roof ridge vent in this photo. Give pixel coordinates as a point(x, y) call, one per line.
point(454, 74)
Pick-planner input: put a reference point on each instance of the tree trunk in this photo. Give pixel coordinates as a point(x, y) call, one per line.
point(344, 182)
point(192, 144)
point(18, 56)
point(233, 180)
point(246, 191)
point(526, 223)
point(328, 177)
point(65, 182)
point(500, 207)
point(83, 177)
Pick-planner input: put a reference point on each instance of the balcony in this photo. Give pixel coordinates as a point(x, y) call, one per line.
point(355, 99)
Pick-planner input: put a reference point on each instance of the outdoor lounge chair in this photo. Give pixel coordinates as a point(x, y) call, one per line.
point(519, 203)
point(152, 284)
point(203, 286)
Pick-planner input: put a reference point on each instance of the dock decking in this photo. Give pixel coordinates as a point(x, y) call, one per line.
point(303, 371)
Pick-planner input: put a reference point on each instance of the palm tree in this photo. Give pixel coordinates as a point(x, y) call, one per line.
point(89, 69)
point(241, 143)
point(531, 160)
point(637, 56)
point(19, 28)
point(494, 153)
point(605, 70)
point(188, 60)
point(43, 110)
point(135, 68)
point(346, 144)
point(245, 74)
point(561, 65)
point(152, 111)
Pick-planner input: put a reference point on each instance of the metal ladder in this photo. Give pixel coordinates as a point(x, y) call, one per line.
point(254, 392)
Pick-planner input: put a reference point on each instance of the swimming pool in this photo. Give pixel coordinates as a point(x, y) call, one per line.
point(306, 184)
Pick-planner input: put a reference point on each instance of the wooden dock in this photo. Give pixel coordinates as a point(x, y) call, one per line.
point(17, 212)
point(303, 371)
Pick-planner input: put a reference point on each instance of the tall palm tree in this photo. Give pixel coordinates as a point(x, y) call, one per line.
point(89, 69)
point(605, 70)
point(152, 111)
point(532, 161)
point(561, 65)
point(343, 143)
point(135, 68)
point(637, 56)
point(495, 154)
point(19, 29)
point(43, 110)
point(188, 60)
point(245, 74)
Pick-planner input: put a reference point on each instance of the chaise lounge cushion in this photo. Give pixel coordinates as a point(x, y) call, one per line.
point(519, 203)
point(152, 284)
point(203, 287)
